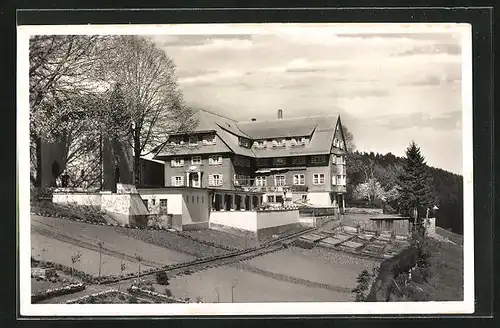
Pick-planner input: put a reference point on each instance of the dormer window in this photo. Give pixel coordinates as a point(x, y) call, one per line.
point(304, 140)
point(279, 161)
point(275, 143)
point(283, 143)
point(193, 140)
point(319, 159)
point(293, 142)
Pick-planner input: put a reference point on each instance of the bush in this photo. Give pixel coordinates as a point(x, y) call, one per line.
point(168, 292)
point(162, 278)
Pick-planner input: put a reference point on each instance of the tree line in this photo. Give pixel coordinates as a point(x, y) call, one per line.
point(400, 183)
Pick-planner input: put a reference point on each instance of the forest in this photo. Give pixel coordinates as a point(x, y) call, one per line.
point(373, 181)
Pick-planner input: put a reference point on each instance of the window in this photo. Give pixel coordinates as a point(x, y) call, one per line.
point(202, 199)
point(279, 199)
point(192, 199)
point(299, 179)
point(193, 140)
point(339, 179)
point(279, 161)
point(260, 144)
point(270, 199)
point(280, 180)
point(304, 140)
point(187, 199)
point(318, 178)
point(215, 160)
point(154, 201)
point(145, 202)
point(283, 143)
point(334, 182)
point(261, 162)
point(299, 160)
point(215, 180)
point(196, 160)
point(177, 181)
point(319, 159)
point(304, 198)
point(198, 199)
point(163, 203)
point(260, 181)
point(177, 162)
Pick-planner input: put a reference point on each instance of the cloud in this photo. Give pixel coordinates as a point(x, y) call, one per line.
point(411, 36)
point(196, 40)
point(441, 48)
point(447, 121)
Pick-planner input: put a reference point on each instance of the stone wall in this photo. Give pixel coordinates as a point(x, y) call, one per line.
point(360, 210)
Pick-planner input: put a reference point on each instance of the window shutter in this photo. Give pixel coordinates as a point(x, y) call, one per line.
point(210, 180)
point(182, 180)
point(173, 181)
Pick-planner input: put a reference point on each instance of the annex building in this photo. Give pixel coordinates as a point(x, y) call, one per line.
point(286, 161)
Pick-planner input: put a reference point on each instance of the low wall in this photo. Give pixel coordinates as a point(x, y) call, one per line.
point(80, 199)
point(268, 219)
point(430, 225)
point(123, 208)
point(246, 220)
point(361, 210)
point(196, 226)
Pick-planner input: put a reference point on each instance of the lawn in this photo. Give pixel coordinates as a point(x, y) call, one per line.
point(447, 267)
point(318, 266)
point(249, 287)
point(57, 240)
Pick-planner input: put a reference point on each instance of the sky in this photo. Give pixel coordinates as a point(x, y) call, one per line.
point(389, 88)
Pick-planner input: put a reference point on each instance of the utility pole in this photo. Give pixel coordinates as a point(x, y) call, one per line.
point(101, 164)
point(218, 295)
point(235, 283)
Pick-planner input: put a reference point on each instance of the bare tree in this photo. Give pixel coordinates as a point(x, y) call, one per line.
point(59, 78)
point(152, 100)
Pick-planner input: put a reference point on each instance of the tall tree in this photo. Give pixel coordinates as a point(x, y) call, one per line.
point(414, 185)
point(152, 100)
point(58, 81)
point(349, 139)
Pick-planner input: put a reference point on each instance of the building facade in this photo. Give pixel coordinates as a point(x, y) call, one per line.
point(290, 161)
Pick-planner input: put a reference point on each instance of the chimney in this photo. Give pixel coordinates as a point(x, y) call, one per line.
point(254, 119)
point(280, 114)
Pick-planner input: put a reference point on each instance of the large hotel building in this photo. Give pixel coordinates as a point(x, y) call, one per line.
point(295, 160)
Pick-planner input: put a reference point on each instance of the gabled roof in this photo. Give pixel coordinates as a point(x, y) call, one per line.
point(321, 130)
point(292, 127)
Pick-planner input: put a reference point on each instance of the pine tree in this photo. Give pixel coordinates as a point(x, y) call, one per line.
point(414, 185)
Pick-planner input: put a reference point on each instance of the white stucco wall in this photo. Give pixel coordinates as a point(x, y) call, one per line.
point(319, 198)
point(195, 206)
point(82, 199)
point(174, 202)
point(240, 220)
point(267, 219)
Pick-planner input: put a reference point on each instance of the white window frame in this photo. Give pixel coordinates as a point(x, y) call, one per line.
point(260, 181)
point(276, 180)
point(339, 179)
point(177, 162)
point(334, 180)
point(316, 159)
point(317, 177)
point(299, 179)
point(215, 182)
point(215, 160)
point(301, 160)
point(280, 159)
point(196, 160)
point(178, 181)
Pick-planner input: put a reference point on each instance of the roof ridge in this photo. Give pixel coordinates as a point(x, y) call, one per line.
point(290, 118)
point(217, 114)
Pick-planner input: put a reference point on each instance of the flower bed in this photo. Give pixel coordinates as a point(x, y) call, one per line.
point(49, 293)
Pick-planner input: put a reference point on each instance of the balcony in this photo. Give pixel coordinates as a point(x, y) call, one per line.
point(339, 189)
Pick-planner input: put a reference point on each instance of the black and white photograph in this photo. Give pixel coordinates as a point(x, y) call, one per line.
point(246, 169)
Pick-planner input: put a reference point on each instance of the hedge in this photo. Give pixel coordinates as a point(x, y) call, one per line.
point(49, 293)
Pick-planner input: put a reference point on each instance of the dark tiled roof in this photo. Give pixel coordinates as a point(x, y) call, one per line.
point(320, 128)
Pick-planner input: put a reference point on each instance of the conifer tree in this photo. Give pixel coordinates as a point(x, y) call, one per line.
point(414, 185)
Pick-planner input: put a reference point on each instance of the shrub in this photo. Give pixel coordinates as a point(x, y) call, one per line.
point(162, 278)
point(168, 292)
